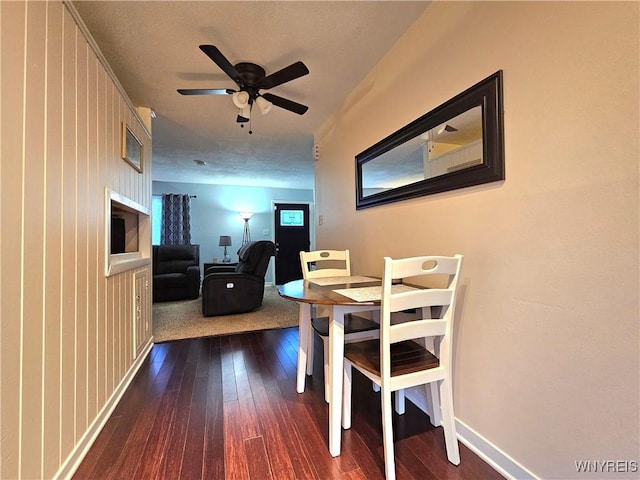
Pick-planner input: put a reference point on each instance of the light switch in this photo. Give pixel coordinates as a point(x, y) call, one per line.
point(265, 232)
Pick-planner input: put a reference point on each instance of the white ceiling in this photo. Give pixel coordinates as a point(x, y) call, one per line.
point(153, 49)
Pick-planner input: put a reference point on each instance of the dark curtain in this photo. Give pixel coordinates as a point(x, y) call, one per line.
point(176, 220)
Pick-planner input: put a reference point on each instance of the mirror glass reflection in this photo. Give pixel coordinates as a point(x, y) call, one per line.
point(449, 147)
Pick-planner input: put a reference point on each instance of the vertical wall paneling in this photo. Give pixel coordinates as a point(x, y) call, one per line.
point(12, 57)
point(93, 279)
point(112, 283)
point(101, 162)
point(33, 233)
point(52, 243)
point(109, 313)
point(81, 238)
point(69, 236)
point(1, 151)
point(142, 310)
point(122, 311)
point(69, 338)
point(108, 354)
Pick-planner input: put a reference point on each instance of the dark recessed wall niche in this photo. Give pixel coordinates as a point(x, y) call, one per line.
point(128, 233)
point(124, 229)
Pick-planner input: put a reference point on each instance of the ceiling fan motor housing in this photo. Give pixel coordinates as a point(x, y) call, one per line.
point(250, 74)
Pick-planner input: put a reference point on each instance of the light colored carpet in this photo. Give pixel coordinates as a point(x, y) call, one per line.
point(183, 319)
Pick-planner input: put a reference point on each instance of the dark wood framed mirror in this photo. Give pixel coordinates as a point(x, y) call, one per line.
point(457, 144)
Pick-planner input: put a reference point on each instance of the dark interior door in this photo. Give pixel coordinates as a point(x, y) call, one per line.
point(291, 236)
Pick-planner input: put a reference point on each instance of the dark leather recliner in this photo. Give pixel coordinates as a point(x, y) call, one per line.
point(239, 289)
point(176, 272)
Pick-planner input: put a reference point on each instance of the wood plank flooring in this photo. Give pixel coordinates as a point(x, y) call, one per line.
point(227, 408)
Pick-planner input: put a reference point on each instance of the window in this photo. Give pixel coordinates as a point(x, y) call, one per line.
point(291, 218)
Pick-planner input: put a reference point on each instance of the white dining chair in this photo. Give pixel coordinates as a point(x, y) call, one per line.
point(399, 358)
point(324, 264)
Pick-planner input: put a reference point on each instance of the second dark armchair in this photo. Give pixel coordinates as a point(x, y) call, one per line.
point(239, 289)
point(176, 272)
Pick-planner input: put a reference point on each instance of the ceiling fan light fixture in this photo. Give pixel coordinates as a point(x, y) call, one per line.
point(264, 105)
point(241, 99)
point(244, 114)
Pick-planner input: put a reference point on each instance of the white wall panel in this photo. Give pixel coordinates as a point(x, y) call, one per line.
point(33, 228)
point(53, 242)
point(69, 235)
point(12, 34)
point(67, 330)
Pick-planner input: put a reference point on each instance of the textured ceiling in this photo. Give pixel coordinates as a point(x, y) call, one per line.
point(153, 49)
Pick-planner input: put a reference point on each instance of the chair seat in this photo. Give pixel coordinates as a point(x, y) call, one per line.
point(352, 324)
point(406, 357)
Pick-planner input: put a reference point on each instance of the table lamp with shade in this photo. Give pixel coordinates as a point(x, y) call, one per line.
point(225, 241)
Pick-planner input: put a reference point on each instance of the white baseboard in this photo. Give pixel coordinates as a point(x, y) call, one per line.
point(73, 461)
point(500, 461)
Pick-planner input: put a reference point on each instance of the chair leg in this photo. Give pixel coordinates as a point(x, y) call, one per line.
point(449, 422)
point(310, 349)
point(400, 402)
point(346, 395)
point(325, 360)
point(433, 401)
point(304, 327)
point(387, 435)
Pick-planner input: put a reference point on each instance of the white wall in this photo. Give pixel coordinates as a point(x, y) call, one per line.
point(215, 209)
point(546, 350)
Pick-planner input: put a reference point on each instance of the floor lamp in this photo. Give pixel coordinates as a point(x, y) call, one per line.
point(246, 234)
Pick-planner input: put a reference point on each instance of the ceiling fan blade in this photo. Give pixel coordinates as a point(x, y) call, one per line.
point(219, 59)
point(286, 104)
point(293, 71)
point(205, 91)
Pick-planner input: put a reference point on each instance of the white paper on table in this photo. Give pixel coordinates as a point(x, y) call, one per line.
point(341, 280)
point(369, 294)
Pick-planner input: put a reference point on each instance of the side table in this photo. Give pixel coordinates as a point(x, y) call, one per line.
point(218, 264)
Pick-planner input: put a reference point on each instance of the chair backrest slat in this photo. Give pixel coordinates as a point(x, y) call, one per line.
point(416, 329)
point(420, 298)
point(429, 265)
point(320, 256)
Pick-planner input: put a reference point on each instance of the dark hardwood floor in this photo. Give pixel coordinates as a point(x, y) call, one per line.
point(227, 408)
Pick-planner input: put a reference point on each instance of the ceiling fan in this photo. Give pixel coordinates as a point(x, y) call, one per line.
point(250, 79)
